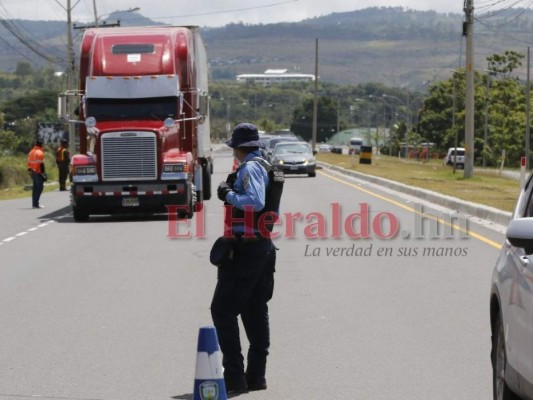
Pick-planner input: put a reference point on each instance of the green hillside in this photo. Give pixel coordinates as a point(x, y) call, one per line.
point(394, 46)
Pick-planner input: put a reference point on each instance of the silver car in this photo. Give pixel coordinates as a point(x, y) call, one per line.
point(511, 306)
point(294, 158)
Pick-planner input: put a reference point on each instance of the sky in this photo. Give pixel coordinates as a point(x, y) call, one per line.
point(209, 13)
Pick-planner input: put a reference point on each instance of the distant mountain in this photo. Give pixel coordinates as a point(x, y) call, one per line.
point(391, 45)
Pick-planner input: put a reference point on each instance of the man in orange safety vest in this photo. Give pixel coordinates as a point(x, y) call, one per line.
point(36, 170)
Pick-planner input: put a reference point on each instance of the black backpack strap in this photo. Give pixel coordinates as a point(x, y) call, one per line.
point(266, 165)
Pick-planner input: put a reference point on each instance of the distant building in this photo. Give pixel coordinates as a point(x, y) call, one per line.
point(274, 76)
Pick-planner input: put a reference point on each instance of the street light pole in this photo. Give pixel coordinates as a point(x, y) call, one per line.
point(95, 14)
point(454, 127)
point(486, 122)
point(528, 108)
point(315, 102)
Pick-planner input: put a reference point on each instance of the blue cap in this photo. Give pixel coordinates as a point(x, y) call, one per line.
point(244, 135)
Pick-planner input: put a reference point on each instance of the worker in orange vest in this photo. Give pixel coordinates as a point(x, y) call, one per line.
point(36, 170)
point(63, 161)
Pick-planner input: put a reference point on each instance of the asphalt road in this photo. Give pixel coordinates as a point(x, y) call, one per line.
point(110, 309)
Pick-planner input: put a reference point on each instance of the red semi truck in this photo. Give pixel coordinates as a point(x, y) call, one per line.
point(143, 122)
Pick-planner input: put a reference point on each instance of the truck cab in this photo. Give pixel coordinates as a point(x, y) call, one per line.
point(144, 133)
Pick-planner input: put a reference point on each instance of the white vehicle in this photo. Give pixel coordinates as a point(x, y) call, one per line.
point(324, 148)
point(511, 306)
point(355, 145)
point(448, 160)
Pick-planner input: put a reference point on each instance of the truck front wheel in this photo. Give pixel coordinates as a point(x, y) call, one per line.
point(188, 212)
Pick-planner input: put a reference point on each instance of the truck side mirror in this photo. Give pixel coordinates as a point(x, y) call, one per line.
point(203, 104)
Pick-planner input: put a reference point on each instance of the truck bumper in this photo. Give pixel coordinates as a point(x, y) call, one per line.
point(129, 197)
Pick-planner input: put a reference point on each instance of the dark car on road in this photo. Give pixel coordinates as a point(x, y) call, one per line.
point(294, 158)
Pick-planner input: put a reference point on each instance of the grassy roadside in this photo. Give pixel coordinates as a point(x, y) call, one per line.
point(484, 188)
point(15, 182)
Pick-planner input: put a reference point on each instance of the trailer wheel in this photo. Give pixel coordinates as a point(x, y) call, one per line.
point(80, 215)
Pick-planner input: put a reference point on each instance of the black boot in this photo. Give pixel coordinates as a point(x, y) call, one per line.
point(256, 382)
point(235, 384)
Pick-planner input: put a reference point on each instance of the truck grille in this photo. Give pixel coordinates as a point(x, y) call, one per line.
point(129, 156)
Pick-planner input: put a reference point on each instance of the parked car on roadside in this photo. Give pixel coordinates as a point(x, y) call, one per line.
point(448, 160)
point(294, 158)
point(511, 306)
point(336, 149)
point(324, 148)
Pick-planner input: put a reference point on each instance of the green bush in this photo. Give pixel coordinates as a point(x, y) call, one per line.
point(14, 171)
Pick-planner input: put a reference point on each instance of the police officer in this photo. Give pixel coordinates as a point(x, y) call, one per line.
point(37, 171)
point(246, 282)
point(63, 161)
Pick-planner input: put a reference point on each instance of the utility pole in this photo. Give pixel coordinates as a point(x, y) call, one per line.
point(70, 79)
point(468, 31)
point(315, 103)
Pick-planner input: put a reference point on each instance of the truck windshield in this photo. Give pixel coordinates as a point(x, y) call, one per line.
point(157, 108)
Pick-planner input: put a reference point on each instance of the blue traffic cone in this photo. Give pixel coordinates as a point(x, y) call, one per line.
point(209, 378)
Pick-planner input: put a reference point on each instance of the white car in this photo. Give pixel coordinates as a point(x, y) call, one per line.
point(511, 306)
point(324, 148)
point(448, 160)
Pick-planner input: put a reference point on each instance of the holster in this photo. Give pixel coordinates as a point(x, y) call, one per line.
point(222, 251)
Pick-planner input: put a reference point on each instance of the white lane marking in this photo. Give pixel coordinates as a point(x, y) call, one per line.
point(33, 229)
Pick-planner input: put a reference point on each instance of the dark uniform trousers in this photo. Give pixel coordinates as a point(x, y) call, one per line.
point(63, 175)
point(244, 287)
point(37, 188)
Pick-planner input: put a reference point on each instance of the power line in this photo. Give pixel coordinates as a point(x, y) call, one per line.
point(14, 31)
point(502, 34)
point(491, 12)
point(229, 11)
point(17, 50)
point(23, 36)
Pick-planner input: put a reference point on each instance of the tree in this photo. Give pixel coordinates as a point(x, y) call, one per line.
point(29, 105)
point(326, 119)
point(502, 100)
point(504, 64)
point(23, 69)
point(8, 139)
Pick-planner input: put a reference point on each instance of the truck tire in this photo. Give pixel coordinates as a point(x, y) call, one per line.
point(189, 213)
point(206, 181)
point(80, 215)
